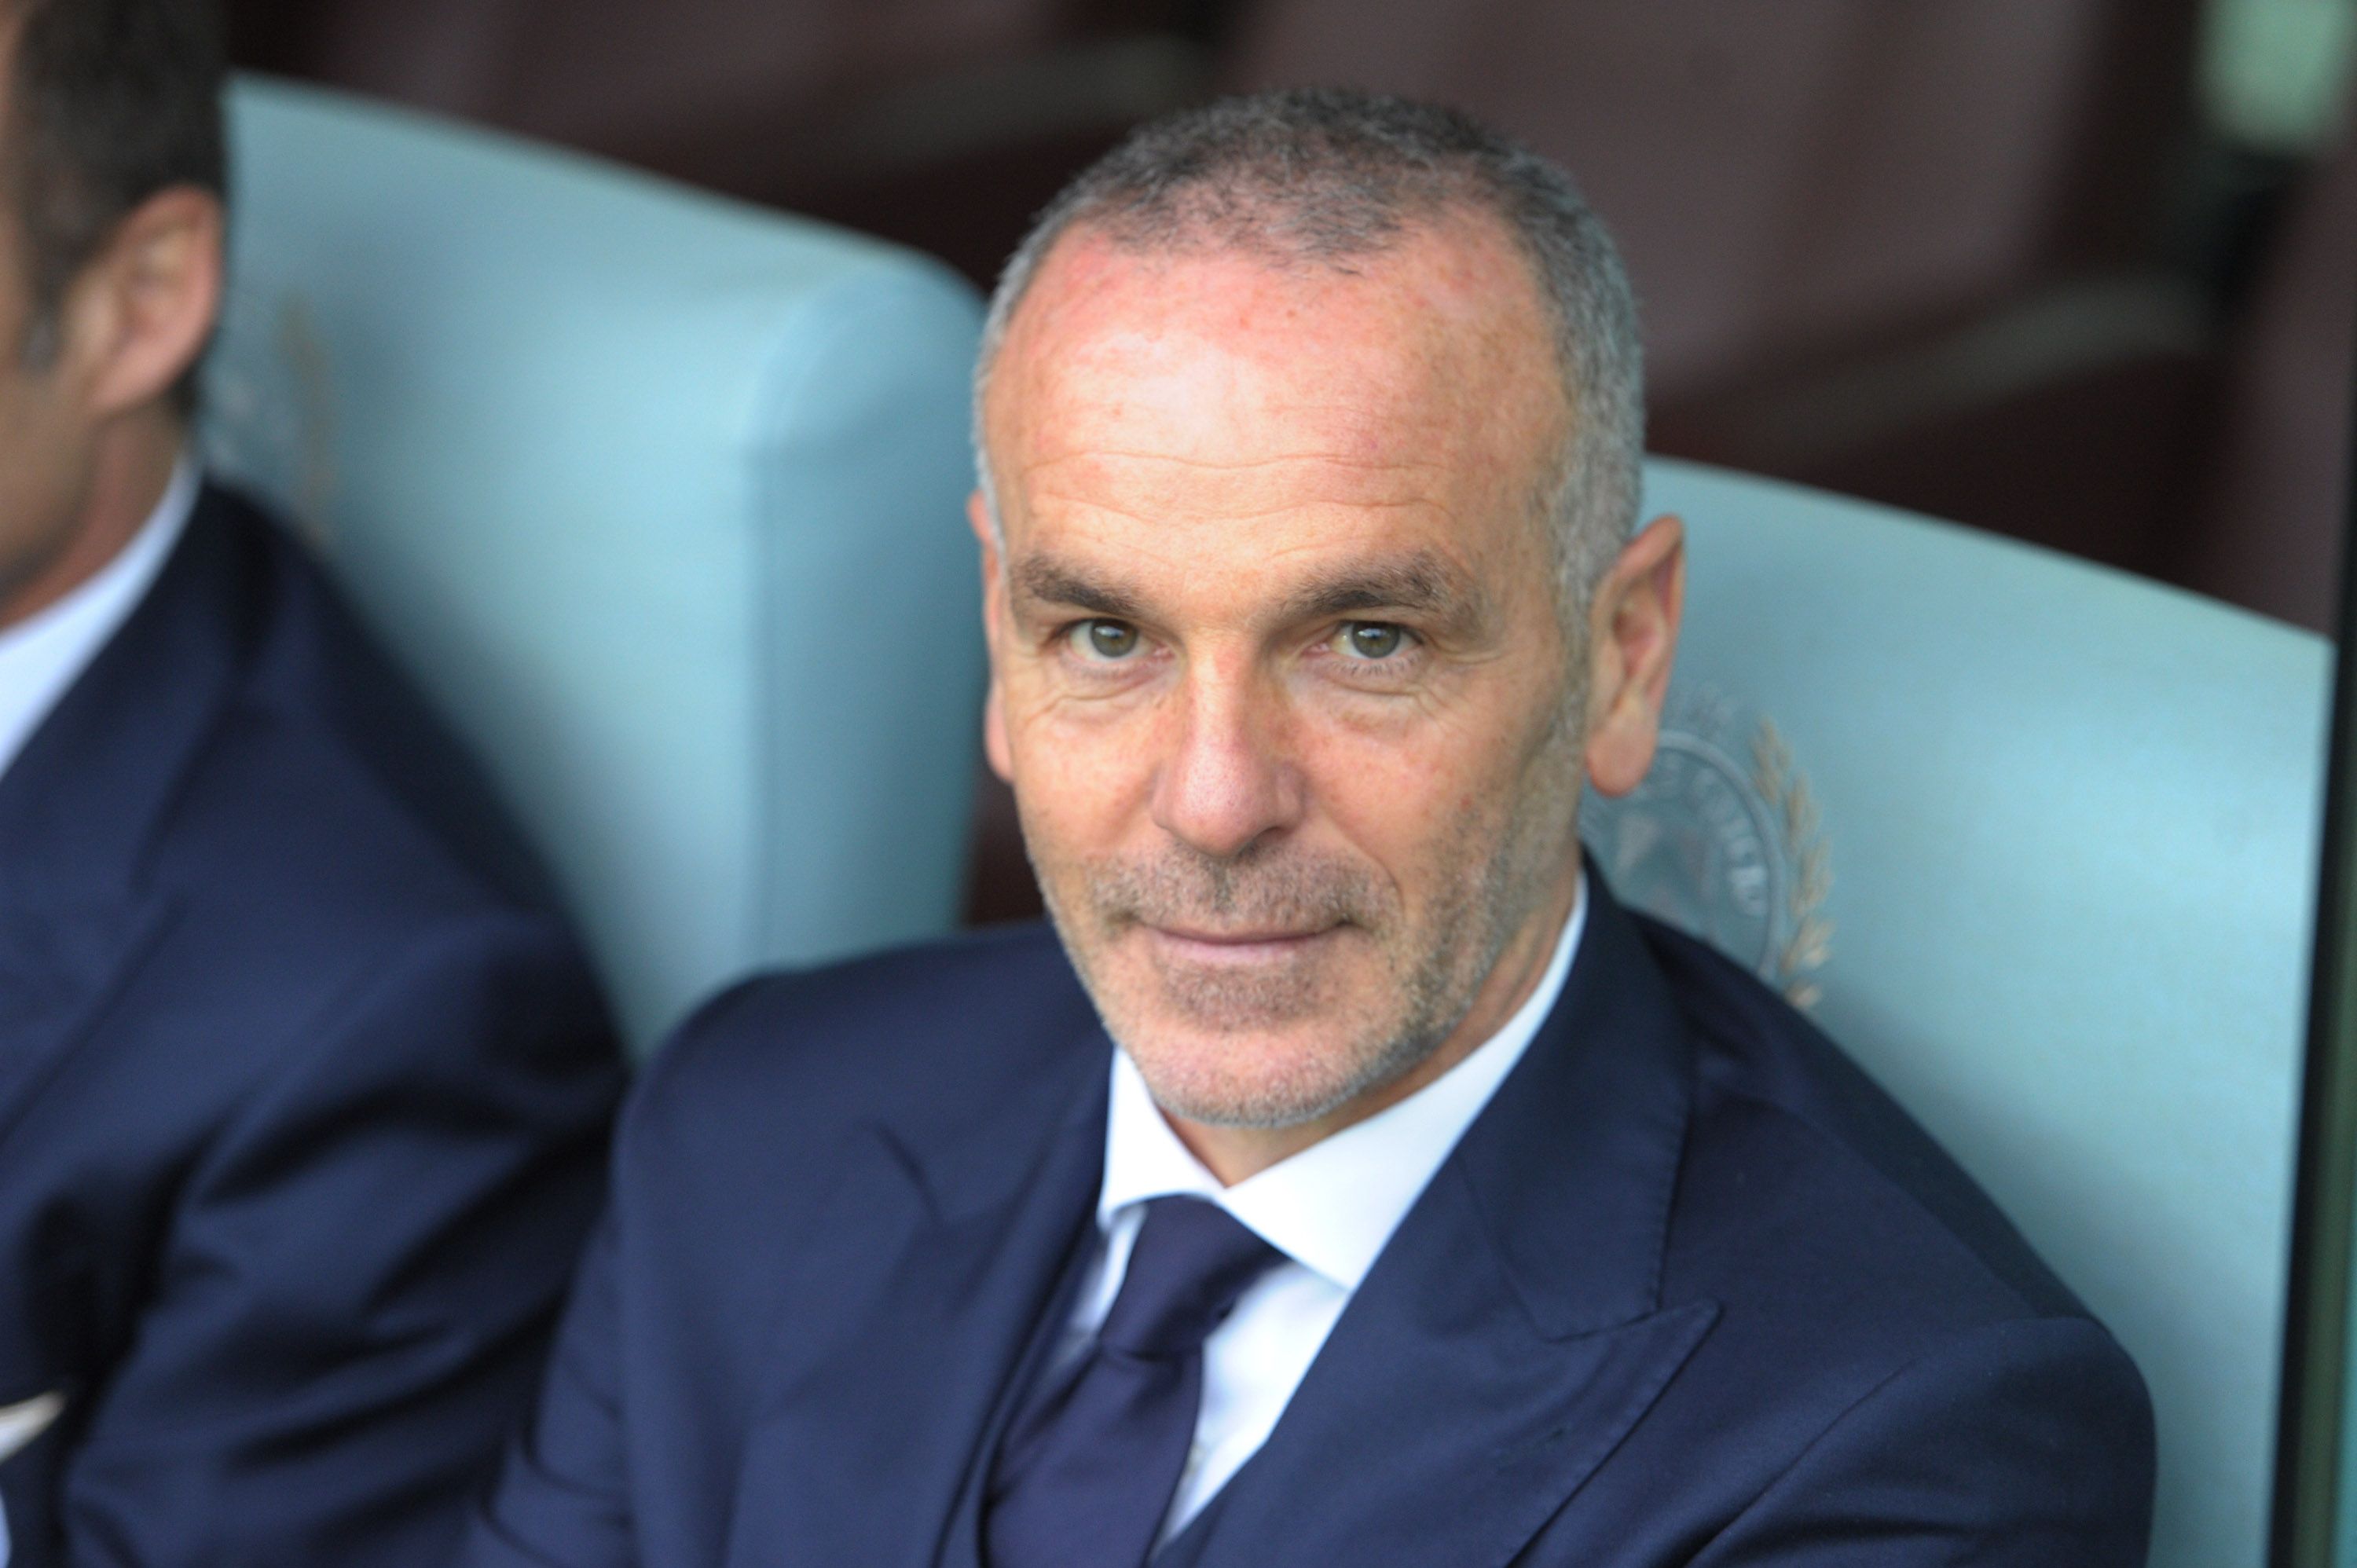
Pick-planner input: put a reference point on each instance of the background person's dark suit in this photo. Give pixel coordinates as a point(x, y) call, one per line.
point(1689, 1291)
point(303, 1091)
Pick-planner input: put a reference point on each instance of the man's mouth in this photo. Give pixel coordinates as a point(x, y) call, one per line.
point(1214, 947)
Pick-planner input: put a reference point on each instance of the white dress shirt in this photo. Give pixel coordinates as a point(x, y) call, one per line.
point(1329, 1209)
point(43, 655)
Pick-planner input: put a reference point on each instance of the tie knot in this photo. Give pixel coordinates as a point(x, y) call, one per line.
point(1192, 1261)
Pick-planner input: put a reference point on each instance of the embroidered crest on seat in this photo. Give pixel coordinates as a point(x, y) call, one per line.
point(1722, 840)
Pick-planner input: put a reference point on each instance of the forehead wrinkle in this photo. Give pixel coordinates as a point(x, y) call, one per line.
point(1047, 499)
point(1159, 486)
point(1204, 387)
point(1237, 465)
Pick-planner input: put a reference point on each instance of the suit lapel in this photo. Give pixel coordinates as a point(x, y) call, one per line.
point(80, 806)
point(1437, 1426)
point(871, 1447)
point(58, 970)
point(1511, 1333)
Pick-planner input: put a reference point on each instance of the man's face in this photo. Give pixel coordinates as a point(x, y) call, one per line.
point(1278, 673)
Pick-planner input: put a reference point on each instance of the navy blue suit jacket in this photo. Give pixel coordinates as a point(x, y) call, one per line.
point(1689, 1291)
point(303, 1092)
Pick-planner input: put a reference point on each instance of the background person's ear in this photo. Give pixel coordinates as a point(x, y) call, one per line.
point(1633, 641)
point(137, 314)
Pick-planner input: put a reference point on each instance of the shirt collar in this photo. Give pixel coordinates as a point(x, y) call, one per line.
point(1332, 1206)
point(43, 655)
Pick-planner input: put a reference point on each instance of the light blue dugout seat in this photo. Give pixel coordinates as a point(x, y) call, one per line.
point(2037, 842)
point(660, 497)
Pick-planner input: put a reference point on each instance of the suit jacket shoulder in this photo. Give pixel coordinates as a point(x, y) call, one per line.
point(1774, 1094)
point(1885, 1336)
point(925, 1044)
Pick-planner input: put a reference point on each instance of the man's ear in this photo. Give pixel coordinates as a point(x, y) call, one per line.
point(994, 623)
point(1632, 640)
point(137, 314)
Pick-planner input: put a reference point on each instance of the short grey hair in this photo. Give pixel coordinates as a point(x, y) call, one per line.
point(1324, 175)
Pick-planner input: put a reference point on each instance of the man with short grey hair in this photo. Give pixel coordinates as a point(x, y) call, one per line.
point(1347, 1178)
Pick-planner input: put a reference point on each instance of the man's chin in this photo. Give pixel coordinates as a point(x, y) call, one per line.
point(1214, 1089)
point(1264, 1032)
point(1251, 1078)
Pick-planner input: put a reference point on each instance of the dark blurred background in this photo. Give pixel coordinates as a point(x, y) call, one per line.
point(2081, 272)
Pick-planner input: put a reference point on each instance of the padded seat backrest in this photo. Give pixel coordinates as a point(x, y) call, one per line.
point(2039, 839)
point(658, 496)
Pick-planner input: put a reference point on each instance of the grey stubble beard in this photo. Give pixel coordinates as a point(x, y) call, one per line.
point(1433, 976)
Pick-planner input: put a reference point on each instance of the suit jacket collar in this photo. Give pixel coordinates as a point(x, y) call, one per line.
point(1513, 1332)
point(42, 655)
point(1574, 1161)
point(80, 805)
point(83, 802)
point(871, 1442)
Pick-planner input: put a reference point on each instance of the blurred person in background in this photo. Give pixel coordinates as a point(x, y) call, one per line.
point(303, 1084)
point(1346, 1177)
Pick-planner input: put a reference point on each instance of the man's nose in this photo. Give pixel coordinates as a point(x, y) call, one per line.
point(1227, 782)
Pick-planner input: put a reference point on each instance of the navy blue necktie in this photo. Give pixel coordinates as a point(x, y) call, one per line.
point(1089, 1466)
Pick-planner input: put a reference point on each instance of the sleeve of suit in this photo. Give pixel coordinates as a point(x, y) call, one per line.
point(562, 1500)
point(351, 1301)
point(2028, 1445)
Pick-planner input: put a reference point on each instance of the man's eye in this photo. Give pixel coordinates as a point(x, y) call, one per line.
point(1373, 638)
point(1105, 639)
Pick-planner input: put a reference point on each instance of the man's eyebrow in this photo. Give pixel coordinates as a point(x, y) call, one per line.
point(1050, 581)
point(1420, 582)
